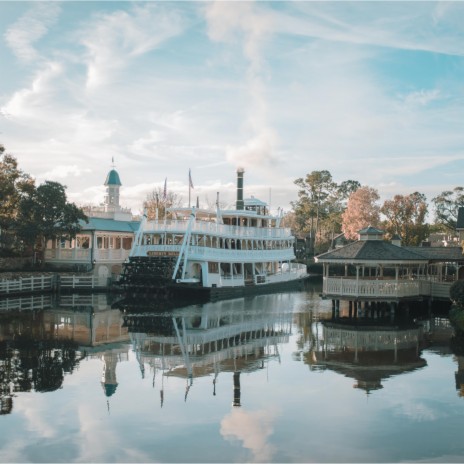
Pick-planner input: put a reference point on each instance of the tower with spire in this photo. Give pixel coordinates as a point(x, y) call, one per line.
point(112, 184)
point(110, 208)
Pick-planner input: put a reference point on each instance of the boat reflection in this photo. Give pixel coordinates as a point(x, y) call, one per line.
point(232, 336)
point(43, 339)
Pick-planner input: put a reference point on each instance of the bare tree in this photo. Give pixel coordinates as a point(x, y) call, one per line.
point(161, 201)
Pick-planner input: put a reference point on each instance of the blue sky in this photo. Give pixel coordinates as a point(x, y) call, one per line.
point(371, 91)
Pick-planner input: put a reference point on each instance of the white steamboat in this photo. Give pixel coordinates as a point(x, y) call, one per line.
point(222, 253)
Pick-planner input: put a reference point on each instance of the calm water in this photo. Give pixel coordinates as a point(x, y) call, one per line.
point(264, 379)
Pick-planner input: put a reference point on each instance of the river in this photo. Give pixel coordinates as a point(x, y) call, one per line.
point(265, 379)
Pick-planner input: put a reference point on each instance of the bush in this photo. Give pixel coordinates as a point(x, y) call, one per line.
point(456, 317)
point(457, 293)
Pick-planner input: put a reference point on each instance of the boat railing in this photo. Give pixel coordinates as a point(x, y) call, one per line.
point(198, 252)
point(212, 228)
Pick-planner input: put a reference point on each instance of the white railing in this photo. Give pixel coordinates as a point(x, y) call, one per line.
point(212, 228)
point(83, 282)
point(441, 289)
point(80, 255)
point(26, 285)
point(294, 272)
point(221, 254)
point(33, 302)
point(344, 286)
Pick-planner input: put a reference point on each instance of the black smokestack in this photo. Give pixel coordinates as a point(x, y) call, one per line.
point(240, 204)
point(236, 389)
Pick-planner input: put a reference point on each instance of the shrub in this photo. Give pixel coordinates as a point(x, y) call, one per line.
point(456, 317)
point(457, 293)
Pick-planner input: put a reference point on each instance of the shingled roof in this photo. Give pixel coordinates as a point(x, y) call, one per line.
point(439, 254)
point(373, 251)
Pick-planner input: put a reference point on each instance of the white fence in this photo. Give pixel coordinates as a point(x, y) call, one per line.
point(25, 303)
point(47, 283)
point(83, 282)
point(33, 284)
point(339, 286)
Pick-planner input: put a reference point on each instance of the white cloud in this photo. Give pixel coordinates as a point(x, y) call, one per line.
point(28, 102)
point(64, 171)
point(422, 97)
point(31, 27)
point(396, 25)
point(112, 39)
point(251, 26)
point(253, 429)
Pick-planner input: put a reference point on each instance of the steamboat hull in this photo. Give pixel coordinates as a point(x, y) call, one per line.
point(152, 277)
point(195, 293)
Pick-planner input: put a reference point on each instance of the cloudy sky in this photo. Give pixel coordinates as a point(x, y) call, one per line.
point(370, 91)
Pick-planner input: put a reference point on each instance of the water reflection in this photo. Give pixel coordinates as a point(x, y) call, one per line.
point(246, 378)
point(369, 355)
point(42, 339)
point(232, 336)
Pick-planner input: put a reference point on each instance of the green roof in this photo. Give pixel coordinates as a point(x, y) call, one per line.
point(113, 178)
point(110, 225)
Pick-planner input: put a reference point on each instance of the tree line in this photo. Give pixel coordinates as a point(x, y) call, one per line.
point(31, 214)
point(325, 209)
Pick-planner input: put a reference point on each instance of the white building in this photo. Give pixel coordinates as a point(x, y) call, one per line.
point(103, 243)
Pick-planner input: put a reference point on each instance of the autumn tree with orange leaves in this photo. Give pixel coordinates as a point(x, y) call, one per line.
point(361, 211)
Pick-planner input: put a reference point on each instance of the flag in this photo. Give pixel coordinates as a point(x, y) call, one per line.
point(190, 179)
point(165, 191)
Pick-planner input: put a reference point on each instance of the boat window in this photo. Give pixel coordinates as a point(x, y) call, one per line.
point(213, 268)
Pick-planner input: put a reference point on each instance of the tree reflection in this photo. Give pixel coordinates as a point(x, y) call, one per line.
point(31, 365)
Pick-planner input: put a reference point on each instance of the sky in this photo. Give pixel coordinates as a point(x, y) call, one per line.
point(370, 91)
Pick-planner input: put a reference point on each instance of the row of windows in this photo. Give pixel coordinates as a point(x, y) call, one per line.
point(216, 242)
point(103, 242)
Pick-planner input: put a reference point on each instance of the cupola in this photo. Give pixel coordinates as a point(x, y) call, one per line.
point(370, 233)
point(396, 240)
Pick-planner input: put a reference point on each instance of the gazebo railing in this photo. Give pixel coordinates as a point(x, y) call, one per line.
point(344, 286)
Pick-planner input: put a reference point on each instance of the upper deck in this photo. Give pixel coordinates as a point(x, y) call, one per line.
point(205, 227)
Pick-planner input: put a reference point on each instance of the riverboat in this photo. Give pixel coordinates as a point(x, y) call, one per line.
point(217, 254)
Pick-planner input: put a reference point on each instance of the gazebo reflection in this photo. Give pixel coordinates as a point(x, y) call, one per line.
point(367, 352)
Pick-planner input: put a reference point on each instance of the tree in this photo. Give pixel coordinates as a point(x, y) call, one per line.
point(314, 191)
point(158, 200)
point(405, 216)
point(361, 211)
point(319, 209)
point(447, 205)
point(14, 185)
point(45, 214)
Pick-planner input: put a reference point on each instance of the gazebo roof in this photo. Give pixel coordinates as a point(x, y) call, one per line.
point(370, 231)
point(439, 254)
point(372, 251)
